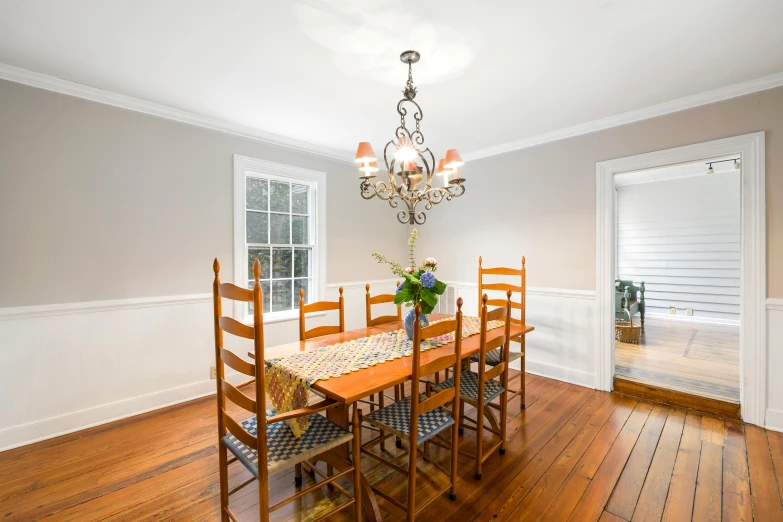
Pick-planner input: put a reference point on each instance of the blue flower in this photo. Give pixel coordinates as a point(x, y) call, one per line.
point(399, 287)
point(427, 279)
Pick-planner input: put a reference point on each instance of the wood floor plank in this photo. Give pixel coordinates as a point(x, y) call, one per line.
point(626, 492)
point(736, 483)
point(598, 492)
point(578, 481)
point(652, 499)
point(707, 503)
point(679, 502)
point(764, 493)
point(592, 416)
point(545, 489)
point(574, 452)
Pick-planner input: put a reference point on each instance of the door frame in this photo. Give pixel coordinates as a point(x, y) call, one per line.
point(753, 271)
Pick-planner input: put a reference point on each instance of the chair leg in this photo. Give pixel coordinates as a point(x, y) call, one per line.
point(503, 419)
point(298, 474)
point(357, 463)
point(479, 438)
point(412, 480)
point(381, 432)
point(223, 464)
point(454, 460)
point(522, 378)
point(460, 421)
point(397, 398)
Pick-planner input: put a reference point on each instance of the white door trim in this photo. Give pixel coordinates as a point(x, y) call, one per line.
point(753, 329)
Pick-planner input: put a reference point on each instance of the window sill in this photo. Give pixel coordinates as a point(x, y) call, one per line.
point(282, 317)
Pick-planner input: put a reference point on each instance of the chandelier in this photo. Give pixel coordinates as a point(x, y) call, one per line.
point(409, 163)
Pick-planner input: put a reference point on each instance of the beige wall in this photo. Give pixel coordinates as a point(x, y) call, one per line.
point(102, 203)
point(540, 201)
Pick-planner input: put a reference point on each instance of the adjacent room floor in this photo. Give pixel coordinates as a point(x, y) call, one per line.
point(697, 358)
point(574, 454)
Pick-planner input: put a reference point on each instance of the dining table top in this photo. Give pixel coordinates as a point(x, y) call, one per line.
point(350, 387)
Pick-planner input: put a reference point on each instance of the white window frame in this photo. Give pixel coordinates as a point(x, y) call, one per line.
point(243, 165)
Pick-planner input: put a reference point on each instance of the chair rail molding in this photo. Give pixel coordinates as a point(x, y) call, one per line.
point(753, 272)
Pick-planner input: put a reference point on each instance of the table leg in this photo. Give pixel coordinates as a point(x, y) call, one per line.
point(339, 416)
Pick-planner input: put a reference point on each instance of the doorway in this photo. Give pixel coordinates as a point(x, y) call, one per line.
point(751, 333)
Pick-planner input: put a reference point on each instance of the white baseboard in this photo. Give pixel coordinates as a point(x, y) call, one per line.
point(692, 319)
point(43, 429)
point(774, 420)
point(561, 373)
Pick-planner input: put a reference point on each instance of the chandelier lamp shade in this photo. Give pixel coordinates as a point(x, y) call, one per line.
point(409, 163)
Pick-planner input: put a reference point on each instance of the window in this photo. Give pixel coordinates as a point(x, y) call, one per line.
point(278, 209)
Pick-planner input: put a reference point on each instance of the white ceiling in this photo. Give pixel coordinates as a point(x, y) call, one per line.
point(671, 172)
point(328, 73)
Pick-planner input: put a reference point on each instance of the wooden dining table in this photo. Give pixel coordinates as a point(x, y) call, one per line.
point(349, 388)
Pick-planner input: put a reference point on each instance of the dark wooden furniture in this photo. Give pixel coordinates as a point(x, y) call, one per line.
point(263, 443)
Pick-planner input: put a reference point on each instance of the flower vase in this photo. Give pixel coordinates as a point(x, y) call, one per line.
point(410, 318)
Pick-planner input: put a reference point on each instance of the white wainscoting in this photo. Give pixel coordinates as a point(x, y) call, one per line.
point(71, 366)
point(774, 415)
point(562, 346)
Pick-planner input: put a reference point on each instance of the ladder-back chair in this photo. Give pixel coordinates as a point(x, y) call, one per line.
point(418, 418)
point(517, 286)
point(264, 444)
point(320, 306)
point(379, 299)
point(473, 385)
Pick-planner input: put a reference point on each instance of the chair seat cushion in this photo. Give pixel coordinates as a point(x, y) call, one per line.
point(396, 418)
point(283, 449)
point(493, 356)
point(468, 387)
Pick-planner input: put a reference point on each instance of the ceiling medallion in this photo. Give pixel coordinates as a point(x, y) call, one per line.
point(406, 158)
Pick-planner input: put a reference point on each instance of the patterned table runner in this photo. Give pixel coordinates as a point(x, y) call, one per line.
point(289, 378)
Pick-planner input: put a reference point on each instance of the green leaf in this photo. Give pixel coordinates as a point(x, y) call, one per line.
point(404, 295)
point(428, 297)
point(439, 287)
point(426, 309)
point(412, 280)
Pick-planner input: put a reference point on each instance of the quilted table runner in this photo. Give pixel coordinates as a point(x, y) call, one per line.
point(289, 378)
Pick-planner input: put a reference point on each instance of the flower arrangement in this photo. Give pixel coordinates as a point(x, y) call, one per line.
point(419, 284)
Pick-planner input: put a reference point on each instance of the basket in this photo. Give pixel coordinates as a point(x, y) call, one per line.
point(626, 331)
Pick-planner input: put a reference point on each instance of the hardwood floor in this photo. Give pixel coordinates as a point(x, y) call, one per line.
point(574, 454)
point(696, 358)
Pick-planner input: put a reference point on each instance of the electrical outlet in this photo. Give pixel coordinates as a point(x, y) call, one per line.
point(672, 310)
point(689, 311)
point(213, 372)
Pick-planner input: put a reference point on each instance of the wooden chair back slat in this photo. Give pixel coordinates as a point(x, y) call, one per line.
point(236, 363)
point(441, 363)
point(501, 302)
point(318, 331)
point(439, 328)
point(502, 271)
point(241, 434)
point(238, 398)
point(235, 293)
point(497, 341)
point(380, 299)
point(439, 399)
point(498, 314)
point(320, 306)
point(503, 287)
point(494, 371)
point(232, 326)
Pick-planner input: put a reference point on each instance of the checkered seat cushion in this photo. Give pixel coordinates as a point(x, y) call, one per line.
point(468, 387)
point(493, 356)
point(283, 450)
point(396, 418)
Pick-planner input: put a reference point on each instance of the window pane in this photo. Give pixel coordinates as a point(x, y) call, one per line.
point(299, 195)
point(257, 227)
point(263, 256)
point(305, 285)
point(298, 230)
point(281, 263)
point(264, 297)
point(301, 263)
point(281, 198)
point(281, 295)
point(281, 229)
point(256, 194)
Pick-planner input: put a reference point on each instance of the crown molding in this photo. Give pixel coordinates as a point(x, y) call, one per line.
point(78, 90)
point(688, 102)
point(52, 83)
